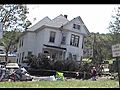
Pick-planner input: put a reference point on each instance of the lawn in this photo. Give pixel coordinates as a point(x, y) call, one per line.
point(61, 84)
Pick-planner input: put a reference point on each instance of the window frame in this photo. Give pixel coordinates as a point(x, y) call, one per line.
point(63, 40)
point(29, 53)
point(76, 26)
point(74, 41)
point(52, 36)
point(23, 55)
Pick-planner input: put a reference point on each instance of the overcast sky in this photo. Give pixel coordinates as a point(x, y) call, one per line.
point(95, 16)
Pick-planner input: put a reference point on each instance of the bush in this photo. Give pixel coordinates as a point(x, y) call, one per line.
point(43, 62)
point(71, 65)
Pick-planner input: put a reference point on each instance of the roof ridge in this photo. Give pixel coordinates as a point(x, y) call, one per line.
point(59, 16)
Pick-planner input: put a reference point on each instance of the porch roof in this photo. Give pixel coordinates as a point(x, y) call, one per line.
point(55, 47)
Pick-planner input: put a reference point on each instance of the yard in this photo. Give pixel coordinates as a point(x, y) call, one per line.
point(62, 84)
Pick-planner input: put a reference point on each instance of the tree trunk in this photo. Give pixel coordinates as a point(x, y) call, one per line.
point(6, 57)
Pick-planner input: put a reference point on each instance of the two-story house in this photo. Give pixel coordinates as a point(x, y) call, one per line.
point(59, 38)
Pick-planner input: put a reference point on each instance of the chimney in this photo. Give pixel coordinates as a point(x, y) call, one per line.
point(65, 16)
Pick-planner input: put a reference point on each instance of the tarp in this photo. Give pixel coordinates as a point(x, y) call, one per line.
point(46, 78)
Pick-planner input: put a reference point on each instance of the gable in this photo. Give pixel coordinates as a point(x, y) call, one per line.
point(44, 21)
point(76, 25)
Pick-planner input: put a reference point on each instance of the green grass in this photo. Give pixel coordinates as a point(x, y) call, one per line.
point(62, 84)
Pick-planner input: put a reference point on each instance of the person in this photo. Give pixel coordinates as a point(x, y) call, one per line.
point(93, 73)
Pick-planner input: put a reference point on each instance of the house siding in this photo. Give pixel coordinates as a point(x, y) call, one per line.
point(75, 50)
point(28, 44)
point(40, 39)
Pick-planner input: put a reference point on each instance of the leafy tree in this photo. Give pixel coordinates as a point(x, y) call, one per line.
point(14, 19)
point(102, 46)
point(114, 26)
point(13, 16)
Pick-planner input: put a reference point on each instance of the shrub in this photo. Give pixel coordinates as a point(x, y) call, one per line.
point(43, 62)
point(59, 65)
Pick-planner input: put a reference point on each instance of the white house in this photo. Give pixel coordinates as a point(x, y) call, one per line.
point(59, 37)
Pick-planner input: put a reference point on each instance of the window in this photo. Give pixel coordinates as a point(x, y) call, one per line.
point(20, 43)
point(29, 53)
point(22, 56)
point(52, 37)
point(74, 40)
point(76, 26)
point(83, 43)
point(74, 57)
point(46, 52)
point(63, 38)
point(70, 55)
point(19, 56)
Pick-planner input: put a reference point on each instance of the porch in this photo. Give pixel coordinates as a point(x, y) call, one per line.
point(54, 52)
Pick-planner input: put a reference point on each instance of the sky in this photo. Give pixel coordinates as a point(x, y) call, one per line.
point(96, 17)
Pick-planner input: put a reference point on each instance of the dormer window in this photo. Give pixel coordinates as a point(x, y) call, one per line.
point(76, 26)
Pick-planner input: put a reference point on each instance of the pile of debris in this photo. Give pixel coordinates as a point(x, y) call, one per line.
point(13, 72)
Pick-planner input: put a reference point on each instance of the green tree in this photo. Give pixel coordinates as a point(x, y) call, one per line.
point(14, 19)
point(102, 46)
point(114, 26)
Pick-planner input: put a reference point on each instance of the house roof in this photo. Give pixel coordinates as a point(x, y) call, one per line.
point(44, 21)
point(44, 26)
point(55, 23)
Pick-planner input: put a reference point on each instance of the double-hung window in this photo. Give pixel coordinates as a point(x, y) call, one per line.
point(52, 37)
point(74, 40)
point(63, 38)
point(76, 26)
